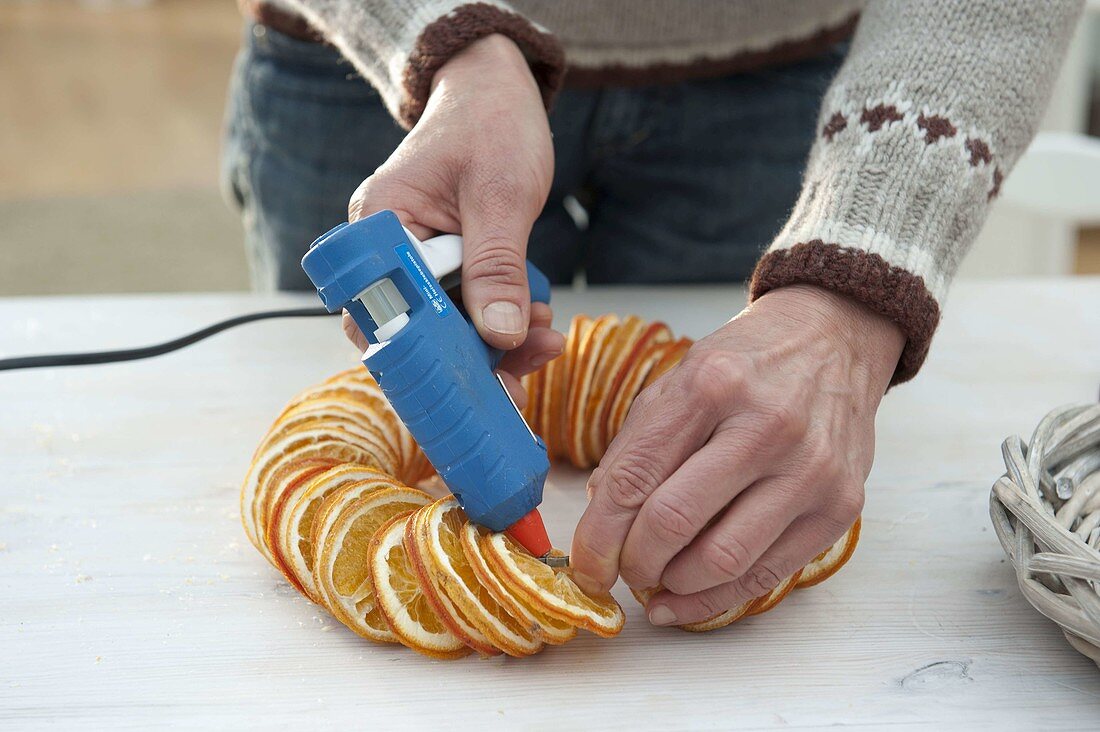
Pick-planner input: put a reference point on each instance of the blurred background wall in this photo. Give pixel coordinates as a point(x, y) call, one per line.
point(110, 117)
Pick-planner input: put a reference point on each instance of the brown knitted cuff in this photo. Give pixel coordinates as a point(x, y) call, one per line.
point(868, 278)
point(443, 38)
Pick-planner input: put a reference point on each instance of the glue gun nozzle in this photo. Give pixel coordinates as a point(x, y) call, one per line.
point(530, 533)
point(555, 561)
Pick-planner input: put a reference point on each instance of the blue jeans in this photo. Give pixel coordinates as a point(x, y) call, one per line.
point(683, 182)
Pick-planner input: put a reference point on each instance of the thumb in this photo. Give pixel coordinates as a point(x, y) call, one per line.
point(495, 225)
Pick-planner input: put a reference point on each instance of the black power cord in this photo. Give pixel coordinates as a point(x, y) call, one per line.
point(157, 349)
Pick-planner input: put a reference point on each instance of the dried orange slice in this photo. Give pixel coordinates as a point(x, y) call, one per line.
point(414, 466)
point(829, 562)
point(627, 381)
point(408, 616)
point(356, 383)
point(286, 480)
point(619, 344)
point(632, 386)
point(368, 410)
point(437, 532)
point(342, 570)
point(315, 441)
point(767, 602)
point(674, 353)
point(376, 428)
point(449, 613)
point(550, 397)
point(292, 521)
point(532, 384)
point(560, 393)
point(538, 401)
point(335, 502)
point(644, 596)
point(552, 630)
point(283, 476)
point(548, 590)
point(359, 386)
point(580, 387)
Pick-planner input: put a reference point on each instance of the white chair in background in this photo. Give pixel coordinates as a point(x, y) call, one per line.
point(1059, 177)
point(1032, 227)
point(1055, 187)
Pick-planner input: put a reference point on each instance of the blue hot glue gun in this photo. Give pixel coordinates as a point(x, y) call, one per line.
point(434, 368)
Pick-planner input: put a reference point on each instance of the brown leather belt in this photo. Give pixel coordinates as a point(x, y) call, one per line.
point(280, 20)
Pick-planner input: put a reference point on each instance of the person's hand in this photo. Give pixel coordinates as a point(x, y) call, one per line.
point(480, 163)
point(740, 465)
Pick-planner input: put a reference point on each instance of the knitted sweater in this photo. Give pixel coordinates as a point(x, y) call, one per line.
point(934, 104)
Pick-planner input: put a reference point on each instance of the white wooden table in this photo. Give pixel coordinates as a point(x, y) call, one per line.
point(130, 597)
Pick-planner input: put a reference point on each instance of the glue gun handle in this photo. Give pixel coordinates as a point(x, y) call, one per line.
point(538, 284)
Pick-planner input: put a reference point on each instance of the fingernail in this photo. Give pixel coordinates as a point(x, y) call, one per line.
point(503, 317)
point(661, 615)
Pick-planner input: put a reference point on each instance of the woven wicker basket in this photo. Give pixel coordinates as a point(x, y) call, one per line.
point(1046, 511)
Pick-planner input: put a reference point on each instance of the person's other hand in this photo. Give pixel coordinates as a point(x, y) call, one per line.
point(480, 163)
point(740, 465)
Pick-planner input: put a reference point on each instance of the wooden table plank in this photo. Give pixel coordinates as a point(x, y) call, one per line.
point(131, 597)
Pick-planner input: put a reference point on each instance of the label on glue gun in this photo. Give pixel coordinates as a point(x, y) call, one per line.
point(422, 279)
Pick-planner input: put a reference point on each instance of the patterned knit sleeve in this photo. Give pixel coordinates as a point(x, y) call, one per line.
point(932, 108)
point(398, 45)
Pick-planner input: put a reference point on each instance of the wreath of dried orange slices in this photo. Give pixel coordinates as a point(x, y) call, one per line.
point(329, 501)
